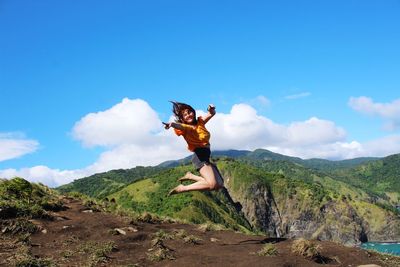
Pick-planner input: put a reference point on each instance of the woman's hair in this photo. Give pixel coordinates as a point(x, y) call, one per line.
point(178, 108)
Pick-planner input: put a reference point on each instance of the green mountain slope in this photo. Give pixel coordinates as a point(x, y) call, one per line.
point(285, 200)
point(150, 195)
point(380, 177)
point(101, 185)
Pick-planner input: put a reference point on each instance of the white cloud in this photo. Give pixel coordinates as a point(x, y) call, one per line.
point(137, 138)
point(45, 175)
point(14, 145)
point(389, 112)
point(130, 155)
point(262, 100)
point(335, 150)
point(313, 131)
point(131, 121)
point(383, 146)
point(243, 128)
point(297, 96)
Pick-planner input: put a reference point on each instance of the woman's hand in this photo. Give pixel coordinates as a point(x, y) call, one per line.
point(211, 109)
point(167, 125)
point(211, 113)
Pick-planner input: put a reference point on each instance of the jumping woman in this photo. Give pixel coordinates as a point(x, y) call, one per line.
point(197, 137)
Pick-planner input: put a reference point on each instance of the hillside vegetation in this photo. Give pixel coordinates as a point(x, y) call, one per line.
point(380, 176)
point(21, 199)
point(150, 195)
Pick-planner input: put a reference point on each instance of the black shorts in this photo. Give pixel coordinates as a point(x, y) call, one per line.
point(201, 157)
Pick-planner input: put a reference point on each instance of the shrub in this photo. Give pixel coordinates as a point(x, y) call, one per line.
point(17, 226)
point(268, 250)
point(306, 248)
point(191, 239)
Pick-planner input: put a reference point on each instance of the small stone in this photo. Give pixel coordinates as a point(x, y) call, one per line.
point(213, 239)
point(120, 231)
point(131, 229)
point(88, 211)
point(44, 231)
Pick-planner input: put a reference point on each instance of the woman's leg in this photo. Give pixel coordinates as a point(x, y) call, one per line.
point(208, 182)
point(191, 176)
point(218, 177)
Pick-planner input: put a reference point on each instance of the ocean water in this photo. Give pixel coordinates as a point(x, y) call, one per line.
point(390, 248)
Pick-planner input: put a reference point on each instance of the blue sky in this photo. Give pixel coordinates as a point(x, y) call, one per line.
point(303, 78)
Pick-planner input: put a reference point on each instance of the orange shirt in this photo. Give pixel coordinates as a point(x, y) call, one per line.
point(195, 135)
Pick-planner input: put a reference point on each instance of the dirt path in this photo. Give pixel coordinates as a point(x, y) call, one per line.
point(78, 237)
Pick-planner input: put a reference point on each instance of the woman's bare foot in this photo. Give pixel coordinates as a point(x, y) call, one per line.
point(176, 190)
point(186, 177)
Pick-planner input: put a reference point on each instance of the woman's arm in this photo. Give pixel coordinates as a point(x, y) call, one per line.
point(210, 114)
point(175, 125)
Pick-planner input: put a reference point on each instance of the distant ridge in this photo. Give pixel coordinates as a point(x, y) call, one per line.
point(264, 154)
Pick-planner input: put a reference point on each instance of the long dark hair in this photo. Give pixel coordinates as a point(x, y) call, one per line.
point(178, 108)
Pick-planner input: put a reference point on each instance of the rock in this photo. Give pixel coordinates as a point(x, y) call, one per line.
point(60, 218)
point(369, 265)
point(292, 217)
point(213, 239)
point(119, 231)
point(87, 211)
point(44, 231)
point(131, 229)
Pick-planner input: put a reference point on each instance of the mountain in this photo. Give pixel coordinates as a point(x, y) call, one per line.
point(268, 192)
point(265, 155)
point(318, 164)
point(380, 177)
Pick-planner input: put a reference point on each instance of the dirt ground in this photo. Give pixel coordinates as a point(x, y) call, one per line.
point(81, 237)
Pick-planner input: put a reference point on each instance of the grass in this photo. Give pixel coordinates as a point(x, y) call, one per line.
point(306, 249)
point(159, 251)
point(393, 196)
point(92, 253)
point(17, 226)
point(19, 198)
point(20, 256)
point(138, 191)
point(375, 216)
point(268, 250)
point(192, 239)
point(30, 261)
point(205, 227)
point(96, 252)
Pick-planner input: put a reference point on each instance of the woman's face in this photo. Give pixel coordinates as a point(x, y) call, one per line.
point(188, 116)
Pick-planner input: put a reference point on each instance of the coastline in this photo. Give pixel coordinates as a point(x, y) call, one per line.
point(388, 247)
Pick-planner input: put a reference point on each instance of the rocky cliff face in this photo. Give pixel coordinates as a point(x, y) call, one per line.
point(294, 216)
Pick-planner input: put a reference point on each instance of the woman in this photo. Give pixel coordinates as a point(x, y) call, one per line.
point(197, 137)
